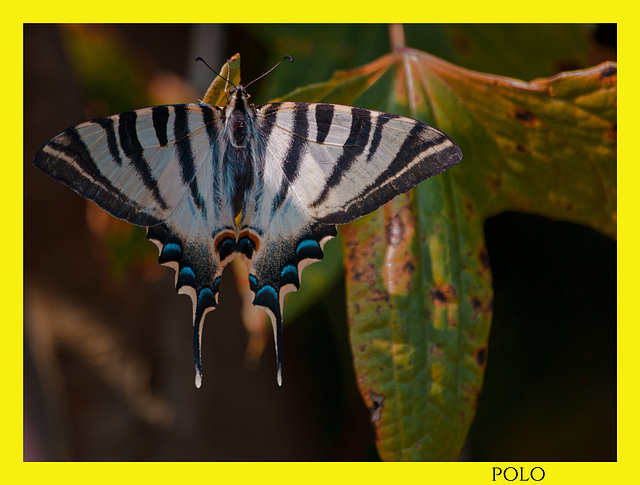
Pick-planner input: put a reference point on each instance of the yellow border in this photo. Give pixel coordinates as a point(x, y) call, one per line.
point(319, 11)
point(11, 245)
point(356, 11)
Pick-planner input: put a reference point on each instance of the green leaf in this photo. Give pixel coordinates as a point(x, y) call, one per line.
point(546, 147)
point(418, 276)
point(216, 94)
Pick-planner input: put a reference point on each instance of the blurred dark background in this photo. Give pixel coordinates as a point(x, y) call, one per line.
point(108, 371)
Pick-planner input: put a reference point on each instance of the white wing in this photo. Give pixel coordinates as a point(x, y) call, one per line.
point(161, 167)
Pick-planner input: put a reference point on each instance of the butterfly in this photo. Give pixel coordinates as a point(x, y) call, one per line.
point(267, 184)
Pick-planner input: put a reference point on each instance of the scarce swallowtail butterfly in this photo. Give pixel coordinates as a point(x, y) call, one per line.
point(267, 184)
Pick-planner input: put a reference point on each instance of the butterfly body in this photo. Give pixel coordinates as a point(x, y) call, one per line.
point(266, 184)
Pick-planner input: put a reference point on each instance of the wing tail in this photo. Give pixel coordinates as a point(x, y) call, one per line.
point(275, 269)
point(198, 273)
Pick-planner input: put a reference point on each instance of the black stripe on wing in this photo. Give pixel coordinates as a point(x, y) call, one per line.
point(424, 152)
point(160, 117)
point(105, 159)
point(295, 151)
point(356, 144)
point(67, 159)
point(185, 155)
point(418, 159)
point(324, 117)
point(112, 141)
point(133, 150)
point(381, 120)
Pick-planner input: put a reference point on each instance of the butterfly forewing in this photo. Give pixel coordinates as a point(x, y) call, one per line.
point(354, 160)
point(291, 171)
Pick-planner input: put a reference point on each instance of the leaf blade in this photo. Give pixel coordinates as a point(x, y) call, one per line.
point(419, 316)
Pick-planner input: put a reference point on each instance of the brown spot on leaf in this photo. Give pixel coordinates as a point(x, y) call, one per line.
point(377, 405)
point(609, 71)
point(481, 356)
point(471, 396)
point(379, 296)
point(525, 117)
point(522, 149)
point(476, 304)
point(443, 294)
point(494, 182)
point(613, 132)
point(483, 256)
point(469, 208)
point(409, 267)
point(480, 308)
point(436, 351)
point(438, 295)
point(360, 268)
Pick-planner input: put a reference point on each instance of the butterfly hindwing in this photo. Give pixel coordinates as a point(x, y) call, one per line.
point(277, 245)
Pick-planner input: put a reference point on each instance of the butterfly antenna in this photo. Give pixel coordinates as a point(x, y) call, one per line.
point(285, 57)
point(214, 71)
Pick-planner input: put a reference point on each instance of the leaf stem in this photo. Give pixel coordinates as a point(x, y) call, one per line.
point(396, 37)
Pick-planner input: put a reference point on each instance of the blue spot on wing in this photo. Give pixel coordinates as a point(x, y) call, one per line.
point(172, 247)
point(170, 252)
point(253, 283)
point(306, 245)
point(205, 298)
point(308, 249)
point(267, 292)
point(288, 271)
point(267, 297)
point(289, 275)
point(246, 246)
point(186, 277)
point(226, 248)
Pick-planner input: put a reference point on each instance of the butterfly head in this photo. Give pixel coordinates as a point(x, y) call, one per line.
point(238, 99)
point(238, 91)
